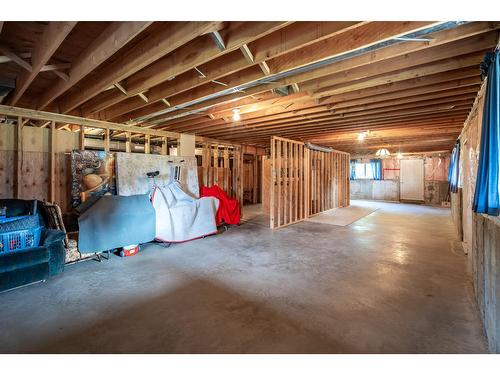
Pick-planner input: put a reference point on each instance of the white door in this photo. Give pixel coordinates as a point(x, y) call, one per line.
point(411, 178)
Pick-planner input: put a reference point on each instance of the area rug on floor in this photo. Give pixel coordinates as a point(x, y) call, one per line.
point(343, 216)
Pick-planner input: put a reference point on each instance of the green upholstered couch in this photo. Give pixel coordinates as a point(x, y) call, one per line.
point(34, 264)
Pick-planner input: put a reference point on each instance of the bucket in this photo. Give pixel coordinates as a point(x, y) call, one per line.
point(128, 251)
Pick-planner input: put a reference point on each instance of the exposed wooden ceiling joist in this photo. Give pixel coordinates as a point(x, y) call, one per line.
point(321, 81)
point(52, 37)
point(113, 38)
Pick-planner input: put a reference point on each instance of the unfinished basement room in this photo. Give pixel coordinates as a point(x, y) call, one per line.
point(254, 186)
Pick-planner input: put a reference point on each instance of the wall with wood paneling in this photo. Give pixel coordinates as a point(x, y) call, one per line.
point(35, 164)
point(480, 233)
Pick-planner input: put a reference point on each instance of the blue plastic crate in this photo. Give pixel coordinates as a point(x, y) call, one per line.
point(20, 239)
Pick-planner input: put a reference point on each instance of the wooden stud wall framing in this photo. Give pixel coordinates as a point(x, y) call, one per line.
point(39, 166)
point(222, 165)
point(305, 182)
point(288, 195)
point(329, 181)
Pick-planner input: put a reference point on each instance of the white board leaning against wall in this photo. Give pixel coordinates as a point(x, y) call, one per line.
point(131, 172)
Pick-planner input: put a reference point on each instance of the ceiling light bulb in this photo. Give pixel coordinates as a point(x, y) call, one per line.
point(361, 136)
point(236, 115)
point(400, 155)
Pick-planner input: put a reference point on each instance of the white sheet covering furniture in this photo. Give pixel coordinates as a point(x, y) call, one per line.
point(180, 217)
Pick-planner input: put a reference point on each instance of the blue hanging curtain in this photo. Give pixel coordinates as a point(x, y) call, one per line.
point(376, 168)
point(453, 168)
point(353, 169)
point(486, 197)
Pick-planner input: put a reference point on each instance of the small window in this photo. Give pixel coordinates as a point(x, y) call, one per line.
point(364, 171)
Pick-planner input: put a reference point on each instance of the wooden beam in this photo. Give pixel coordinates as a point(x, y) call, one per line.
point(24, 55)
point(390, 59)
point(50, 40)
point(61, 75)
point(52, 174)
point(107, 139)
point(158, 75)
point(69, 119)
point(147, 144)
point(121, 88)
point(359, 69)
point(128, 137)
point(329, 125)
point(18, 158)
point(164, 145)
point(61, 66)
point(305, 110)
point(151, 49)
point(198, 53)
point(82, 137)
point(434, 82)
point(265, 68)
point(383, 54)
point(112, 39)
point(143, 97)
point(14, 57)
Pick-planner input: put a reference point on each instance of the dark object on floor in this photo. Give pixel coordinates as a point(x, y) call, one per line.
point(128, 251)
point(34, 264)
point(116, 221)
point(229, 209)
point(19, 207)
point(54, 220)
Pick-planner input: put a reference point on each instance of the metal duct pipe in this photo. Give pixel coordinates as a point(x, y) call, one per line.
point(303, 69)
point(314, 147)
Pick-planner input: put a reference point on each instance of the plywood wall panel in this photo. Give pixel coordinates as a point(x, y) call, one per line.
point(35, 177)
point(131, 172)
point(7, 171)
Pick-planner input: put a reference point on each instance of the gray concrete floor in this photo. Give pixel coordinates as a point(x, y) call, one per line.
point(392, 282)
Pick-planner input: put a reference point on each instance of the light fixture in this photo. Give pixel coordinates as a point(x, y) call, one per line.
point(383, 152)
point(362, 135)
point(236, 114)
point(399, 155)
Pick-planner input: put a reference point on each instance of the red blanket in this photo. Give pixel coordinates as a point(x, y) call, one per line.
point(229, 209)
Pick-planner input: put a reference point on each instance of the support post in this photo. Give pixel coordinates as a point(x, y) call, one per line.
point(128, 145)
point(107, 136)
point(255, 178)
point(147, 144)
point(53, 141)
point(164, 145)
point(273, 180)
point(82, 137)
point(18, 162)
